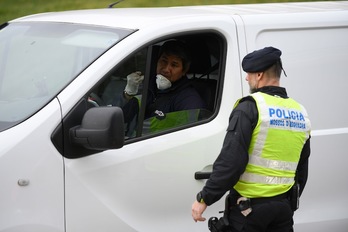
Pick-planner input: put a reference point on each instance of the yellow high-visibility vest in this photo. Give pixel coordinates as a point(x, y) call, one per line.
point(282, 129)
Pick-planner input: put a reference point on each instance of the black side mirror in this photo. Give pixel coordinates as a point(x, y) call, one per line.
point(102, 128)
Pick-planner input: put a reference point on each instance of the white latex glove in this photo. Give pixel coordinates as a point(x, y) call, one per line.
point(133, 82)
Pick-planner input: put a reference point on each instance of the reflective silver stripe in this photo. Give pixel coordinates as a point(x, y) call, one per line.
point(261, 139)
point(250, 177)
point(273, 164)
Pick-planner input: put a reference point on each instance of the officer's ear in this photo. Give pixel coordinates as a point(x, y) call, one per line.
point(259, 76)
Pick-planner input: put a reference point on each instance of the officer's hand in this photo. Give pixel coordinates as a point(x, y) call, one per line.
point(197, 211)
point(133, 82)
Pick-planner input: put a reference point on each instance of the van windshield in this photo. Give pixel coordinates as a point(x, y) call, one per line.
point(37, 60)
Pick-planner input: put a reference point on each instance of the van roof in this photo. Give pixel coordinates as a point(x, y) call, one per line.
point(136, 18)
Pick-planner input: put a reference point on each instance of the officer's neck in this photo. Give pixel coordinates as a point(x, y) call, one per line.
point(265, 80)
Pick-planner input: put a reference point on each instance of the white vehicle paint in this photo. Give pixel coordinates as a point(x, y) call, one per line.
point(147, 183)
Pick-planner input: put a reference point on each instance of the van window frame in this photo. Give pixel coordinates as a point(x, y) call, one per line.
point(221, 40)
point(61, 136)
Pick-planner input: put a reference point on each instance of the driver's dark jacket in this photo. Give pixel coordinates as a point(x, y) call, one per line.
point(180, 96)
point(233, 156)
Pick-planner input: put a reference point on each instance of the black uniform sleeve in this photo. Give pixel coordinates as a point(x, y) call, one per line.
point(233, 157)
point(302, 168)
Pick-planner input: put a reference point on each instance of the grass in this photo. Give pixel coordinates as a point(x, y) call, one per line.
point(11, 9)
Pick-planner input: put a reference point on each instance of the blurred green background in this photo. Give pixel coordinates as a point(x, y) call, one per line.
point(11, 9)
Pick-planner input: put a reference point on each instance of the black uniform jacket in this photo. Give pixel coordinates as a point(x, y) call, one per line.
point(233, 158)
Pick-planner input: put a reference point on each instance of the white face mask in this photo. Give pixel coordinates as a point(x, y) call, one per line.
point(162, 82)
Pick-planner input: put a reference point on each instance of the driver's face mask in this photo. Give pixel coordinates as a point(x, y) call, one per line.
point(162, 82)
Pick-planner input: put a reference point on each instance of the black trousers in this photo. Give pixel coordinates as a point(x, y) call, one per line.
point(270, 216)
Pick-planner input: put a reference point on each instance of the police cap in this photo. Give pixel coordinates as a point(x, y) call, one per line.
point(261, 60)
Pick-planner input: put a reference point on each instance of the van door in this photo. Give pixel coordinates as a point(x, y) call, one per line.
point(149, 184)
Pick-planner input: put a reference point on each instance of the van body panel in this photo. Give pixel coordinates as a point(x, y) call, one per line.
point(32, 175)
point(149, 184)
point(327, 152)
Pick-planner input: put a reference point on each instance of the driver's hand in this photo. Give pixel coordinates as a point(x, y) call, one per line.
point(133, 82)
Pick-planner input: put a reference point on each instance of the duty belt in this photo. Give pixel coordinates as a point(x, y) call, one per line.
point(260, 200)
point(254, 201)
point(245, 205)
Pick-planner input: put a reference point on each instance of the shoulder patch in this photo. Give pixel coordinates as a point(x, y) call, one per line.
point(233, 123)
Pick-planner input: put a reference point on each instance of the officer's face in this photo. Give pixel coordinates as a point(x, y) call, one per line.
point(171, 67)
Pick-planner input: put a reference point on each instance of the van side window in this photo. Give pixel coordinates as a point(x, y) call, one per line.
point(169, 85)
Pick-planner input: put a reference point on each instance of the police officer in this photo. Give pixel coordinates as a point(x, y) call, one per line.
point(265, 149)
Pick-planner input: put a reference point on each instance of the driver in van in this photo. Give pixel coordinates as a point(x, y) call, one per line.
point(171, 91)
point(265, 153)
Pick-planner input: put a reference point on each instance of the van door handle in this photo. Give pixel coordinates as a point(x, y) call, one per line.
point(205, 173)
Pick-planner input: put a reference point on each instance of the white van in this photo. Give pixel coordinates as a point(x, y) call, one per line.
point(65, 162)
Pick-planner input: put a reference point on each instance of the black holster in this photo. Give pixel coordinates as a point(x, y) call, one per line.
point(222, 224)
point(219, 225)
point(294, 196)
